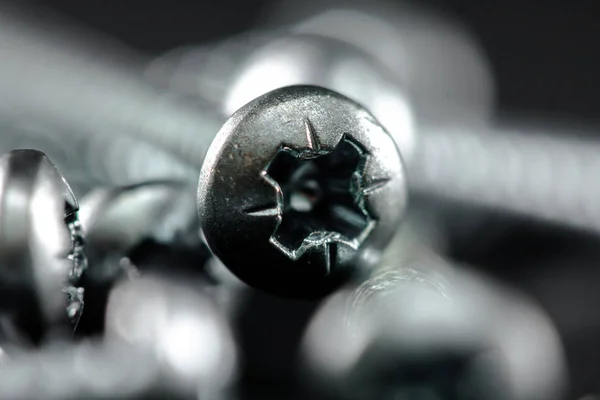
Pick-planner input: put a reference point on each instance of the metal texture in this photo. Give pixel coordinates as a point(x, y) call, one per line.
point(421, 328)
point(440, 65)
point(107, 95)
point(439, 62)
point(303, 179)
point(544, 174)
point(122, 103)
point(181, 327)
point(232, 73)
point(531, 168)
point(310, 59)
point(118, 219)
point(41, 244)
point(89, 161)
point(164, 339)
point(133, 228)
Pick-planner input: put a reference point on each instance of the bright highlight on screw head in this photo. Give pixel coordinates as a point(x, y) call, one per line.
point(296, 186)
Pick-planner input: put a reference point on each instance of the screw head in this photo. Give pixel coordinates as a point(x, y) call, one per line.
point(299, 190)
point(38, 252)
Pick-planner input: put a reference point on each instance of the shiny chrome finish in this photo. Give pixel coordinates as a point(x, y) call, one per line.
point(116, 220)
point(439, 62)
point(180, 327)
point(234, 72)
point(89, 161)
point(163, 341)
point(420, 328)
point(41, 244)
point(61, 76)
point(544, 170)
point(89, 370)
point(305, 180)
point(310, 59)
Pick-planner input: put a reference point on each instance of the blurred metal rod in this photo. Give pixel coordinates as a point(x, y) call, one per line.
point(536, 168)
point(518, 168)
point(55, 73)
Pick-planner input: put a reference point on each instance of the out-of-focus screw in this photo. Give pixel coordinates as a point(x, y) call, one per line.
point(420, 328)
point(181, 327)
point(63, 77)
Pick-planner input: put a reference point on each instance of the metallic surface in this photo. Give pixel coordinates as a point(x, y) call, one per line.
point(233, 72)
point(242, 205)
point(309, 59)
point(538, 173)
point(437, 60)
point(134, 229)
point(65, 149)
point(530, 168)
point(64, 77)
point(423, 319)
point(40, 245)
point(122, 103)
point(88, 371)
point(117, 219)
point(89, 161)
point(421, 328)
point(180, 326)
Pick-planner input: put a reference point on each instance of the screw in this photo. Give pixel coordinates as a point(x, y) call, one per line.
point(522, 170)
point(180, 326)
point(532, 169)
point(126, 104)
point(422, 328)
point(305, 182)
point(437, 60)
point(107, 95)
point(41, 246)
point(163, 339)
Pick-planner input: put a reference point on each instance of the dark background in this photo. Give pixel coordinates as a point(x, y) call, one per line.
point(545, 57)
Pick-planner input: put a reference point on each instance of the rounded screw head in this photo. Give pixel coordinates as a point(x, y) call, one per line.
point(37, 249)
point(301, 188)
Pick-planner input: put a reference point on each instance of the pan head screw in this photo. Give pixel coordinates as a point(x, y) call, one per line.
point(300, 189)
point(41, 246)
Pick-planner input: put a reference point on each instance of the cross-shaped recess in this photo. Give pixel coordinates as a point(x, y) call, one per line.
point(320, 197)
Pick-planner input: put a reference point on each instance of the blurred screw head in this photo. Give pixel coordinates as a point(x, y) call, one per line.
point(179, 325)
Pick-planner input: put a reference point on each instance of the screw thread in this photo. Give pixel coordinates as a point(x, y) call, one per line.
point(550, 177)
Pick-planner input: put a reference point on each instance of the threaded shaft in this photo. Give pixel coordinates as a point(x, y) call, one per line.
point(553, 178)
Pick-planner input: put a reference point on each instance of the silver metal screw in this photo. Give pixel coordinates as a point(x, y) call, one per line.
point(79, 81)
point(180, 326)
point(123, 103)
point(306, 181)
point(421, 328)
point(535, 169)
point(520, 170)
point(41, 246)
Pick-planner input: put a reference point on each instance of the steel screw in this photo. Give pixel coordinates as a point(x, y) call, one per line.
point(306, 181)
point(41, 246)
point(537, 169)
point(422, 328)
